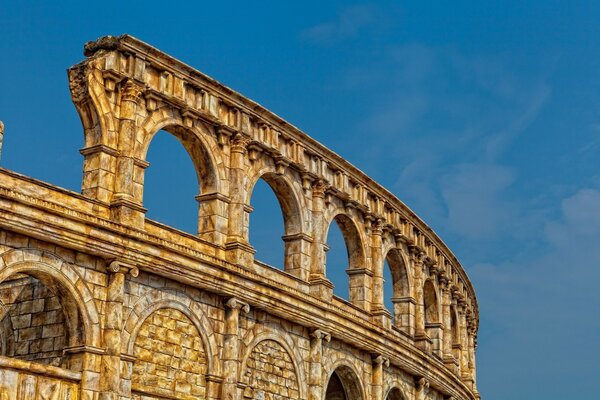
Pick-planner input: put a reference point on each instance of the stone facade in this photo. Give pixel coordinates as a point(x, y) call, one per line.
point(99, 302)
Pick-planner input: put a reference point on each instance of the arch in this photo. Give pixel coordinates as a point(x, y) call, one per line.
point(343, 373)
point(395, 393)
point(400, 275)
point(356, 269)
point(288, 198)
point(292, 212)
point(431, 303)
point(267, 333)
point(170, 358)
point(403, 303)
point(51, 270)
point(161, 299)
point(204, 155)
point(353, 238)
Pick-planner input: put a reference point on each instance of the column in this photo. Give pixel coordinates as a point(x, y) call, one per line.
point(422, 386)
point(447, 356)
point(320, 286)
point(471, 339)
point(125, 206)
point(421, 339)
point(378, 363)
point(315, 377)
point(462, 326)
point(231, 347)
point(113, 327)
point(381, 315)
point(238, 249)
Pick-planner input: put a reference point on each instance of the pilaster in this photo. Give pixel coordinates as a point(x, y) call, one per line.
point(231, 350)
point(315, 377)
point(378, 363)
point(110, 380)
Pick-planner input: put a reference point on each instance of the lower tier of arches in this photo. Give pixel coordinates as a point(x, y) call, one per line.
point(117, 333)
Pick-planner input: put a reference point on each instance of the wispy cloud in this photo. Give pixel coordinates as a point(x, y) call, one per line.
point(349, 23)
point(447, 120)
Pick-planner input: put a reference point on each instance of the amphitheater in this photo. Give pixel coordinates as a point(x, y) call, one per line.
point(99, 302)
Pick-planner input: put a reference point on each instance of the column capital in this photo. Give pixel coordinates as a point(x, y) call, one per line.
point(381, 360)
point(417, 254)
point(236, 304)
point(321, 335)
point(319, 187)
point(240, 142)
point(422, 384)
point(131, 91)
point(377, 226)
point(116, 266)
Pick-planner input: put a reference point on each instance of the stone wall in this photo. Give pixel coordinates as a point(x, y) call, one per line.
point(33, 325)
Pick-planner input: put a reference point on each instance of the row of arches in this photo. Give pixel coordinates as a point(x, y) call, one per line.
point(171, 347)
point(276, 214)
point(277, 211)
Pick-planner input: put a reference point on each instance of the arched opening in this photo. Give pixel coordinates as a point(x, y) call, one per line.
point(170, 359)
point(171, 184)
point(275, 224)
point(430, 302)
point(456, 347)
point(433, 326)
point(397, 294)
point(394, 394)
point(345, 259)
point(39, 321)
point(266, 225)
point(343, 385)
point(175, 188)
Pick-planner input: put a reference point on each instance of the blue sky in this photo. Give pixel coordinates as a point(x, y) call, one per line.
point(482, 117)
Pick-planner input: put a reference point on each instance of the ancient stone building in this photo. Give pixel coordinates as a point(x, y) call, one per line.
point(98, 302)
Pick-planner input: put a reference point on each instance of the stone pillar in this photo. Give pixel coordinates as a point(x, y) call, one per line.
point(462, 328)
point(421, 339)
point(315, 377)
point(320, 286)
point(381, 315)
point(447, 355)
point(113, 326)
point(126, 203)
point(378, 363)
point(298, 247)
point(231, 348)
point(471, 338)
point(238, 249)
point(213, 211)
point(422, 389)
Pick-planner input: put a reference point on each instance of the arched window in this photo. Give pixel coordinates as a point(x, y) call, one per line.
point(273, 201)
point(337, 261)
point(266, 226)
point(397, 293)
point(432, 317)
point(353, 262)
point(171, 184)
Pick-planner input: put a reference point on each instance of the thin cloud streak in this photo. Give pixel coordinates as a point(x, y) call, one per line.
point(351, 21)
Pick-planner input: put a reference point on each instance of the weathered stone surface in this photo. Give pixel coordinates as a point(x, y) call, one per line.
point(99, 302)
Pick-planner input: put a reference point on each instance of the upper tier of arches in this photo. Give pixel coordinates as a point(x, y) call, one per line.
point(127, 91)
